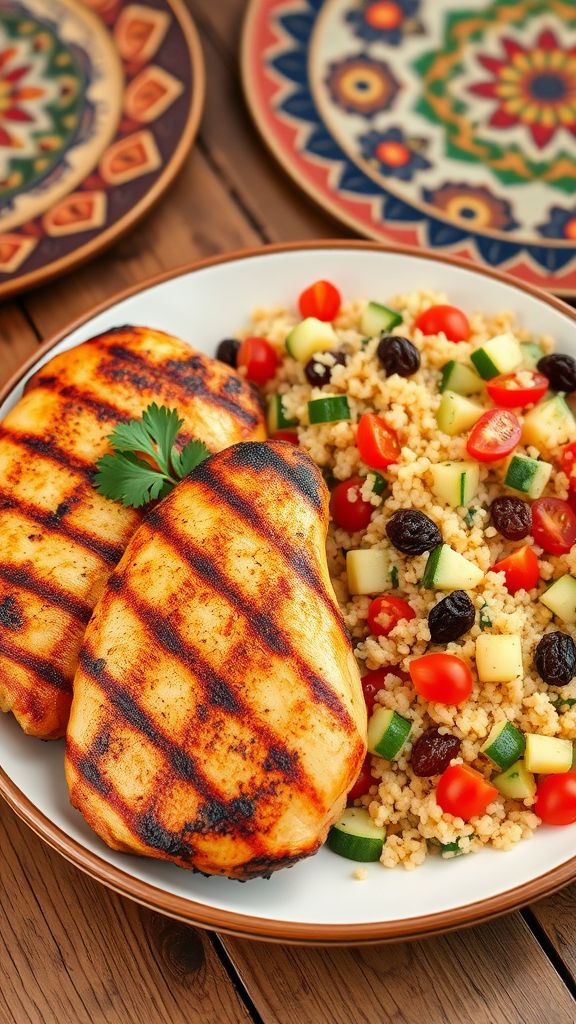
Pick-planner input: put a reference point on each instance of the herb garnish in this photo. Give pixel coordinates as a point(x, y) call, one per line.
point(127, 477)
point(485, 620)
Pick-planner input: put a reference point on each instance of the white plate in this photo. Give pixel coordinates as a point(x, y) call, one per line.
point(318, 900)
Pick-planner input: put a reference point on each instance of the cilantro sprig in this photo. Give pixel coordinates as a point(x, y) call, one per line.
point(135, 481)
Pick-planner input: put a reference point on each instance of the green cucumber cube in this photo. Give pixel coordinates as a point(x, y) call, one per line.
point(461, 379)
point(368, 571)
point(310, 336)
point(498, 658)
point(377, 318)
point(447, 569)
point(387, 733)
point(456, 413)
point(504, 745)
point(549, 424)
point(516, 783)
point(560, 598)
point(527, 476)
point(455, 483)
point(499, 355)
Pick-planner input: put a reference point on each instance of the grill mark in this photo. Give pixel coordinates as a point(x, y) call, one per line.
point(52, 523)
point(295, 471)
point(49, 592)
point(40, 667)
point(49, 450)
point(105, 411)
point(10, 615)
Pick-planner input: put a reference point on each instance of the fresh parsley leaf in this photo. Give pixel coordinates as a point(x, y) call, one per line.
point(470, 516)
point(563, 703)
point(394, 578)
point(191, 456)
point(485, 620)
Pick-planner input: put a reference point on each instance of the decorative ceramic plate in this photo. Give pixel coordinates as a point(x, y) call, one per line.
point(318, 900)
point(99, 104)
point(448, 124)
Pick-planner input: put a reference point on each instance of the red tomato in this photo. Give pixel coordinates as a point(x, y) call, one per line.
point(510, 392)
point(495, 435)
point(568, 460)
point(363, 782)
point(347, 507)
point(521, 569)
point(374, 681)
point(553, 525)
point(448, 320)
point(464, 792)
point(286, 435)
point(258, 358)
point(321, 300)
point(392, 610)
point(377, 443)
point(441, 678)
point(556, 799)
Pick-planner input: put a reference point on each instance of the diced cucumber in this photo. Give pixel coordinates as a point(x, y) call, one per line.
point(328, 409)
point(356, 836)
point(446, 569)
point(450, 850)
point(549, 424)
point(368, 571)
point(276, 418)
point(377, 318)
point(499, 355)
point(531, 353)
point(516, 783)
point(455, 483)
point(456, 413)
point(504, 745)
point(548, 755)
point(498, 658)
point(378, 482)
point(460, 378)
point(387, 733)
point(526, 475)
point(310, 336)
point(560, 598)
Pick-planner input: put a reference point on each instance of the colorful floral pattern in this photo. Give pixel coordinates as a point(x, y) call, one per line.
point(394, 153)
point(359, 85)
point(384, 20)
point(472, 205)
point(562, 224)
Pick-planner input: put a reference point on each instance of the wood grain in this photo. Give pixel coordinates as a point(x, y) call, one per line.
point(17, 340)
point(74, 953)
point(557, 916)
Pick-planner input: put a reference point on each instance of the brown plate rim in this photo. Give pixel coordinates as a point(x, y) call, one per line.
point(116, 231)
point(231, 922)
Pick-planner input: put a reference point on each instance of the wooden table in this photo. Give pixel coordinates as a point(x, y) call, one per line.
point(73, 953)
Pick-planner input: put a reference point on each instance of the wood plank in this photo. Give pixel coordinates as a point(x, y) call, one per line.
point(494, 973)
point(197, 218)
point(17, 340)
point(556, 916)
point(70, 950)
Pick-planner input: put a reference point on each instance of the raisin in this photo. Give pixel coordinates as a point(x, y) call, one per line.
point(398, 355)
point(432, 752)
point(451, 618)
point(560, 371)
point(318, 374)
point(512, 517)
point(555, 658)
point(413, 533)
point(227, 352)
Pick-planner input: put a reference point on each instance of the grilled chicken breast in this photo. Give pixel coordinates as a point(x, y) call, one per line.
point(218, 719)
point(59, 539)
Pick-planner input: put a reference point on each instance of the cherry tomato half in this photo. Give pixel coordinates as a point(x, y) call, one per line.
point(517, 389)
point(495, 435)
point(464, 792)
point(521, 569)
point(553, 525)
point(377, 443)
point(258, 358)
point(448, 320)
point(347, 507)
point(375, 680)
point(363, 782)
point(286, 435)
point(391, 610)
point(568, 460)
point(556, 799)
point(322, 300)
point(441, 678)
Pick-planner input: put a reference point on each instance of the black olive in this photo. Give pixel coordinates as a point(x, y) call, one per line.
point(317, 374)
point(560, 371)
point(412, 532)
point(555, 658)
point(453, 616)
point(512, 517)
point(433, 751)
point(398, 355)
point(227, 352)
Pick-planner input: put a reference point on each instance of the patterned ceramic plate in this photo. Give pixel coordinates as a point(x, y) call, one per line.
point(449, 124)
point(99, 103)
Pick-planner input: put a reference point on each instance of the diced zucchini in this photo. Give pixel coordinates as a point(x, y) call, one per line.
point(549, 424)
point(387, 733)
point(377, 318)
point(450, 850)
point(499, 355)
point(460, 378)
point(527, 476)
point(378, 482)
point(446, 569)
point(328, 409)
point(276, 418)
point(504, 745)
point(548, 755)
point(310, 336)
point(456, 413)
point(368, 571)
point(531, 354)
point(498, 658)
point(356, 836)
point(516, 783)
point(455, 483)
point(560, 598)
